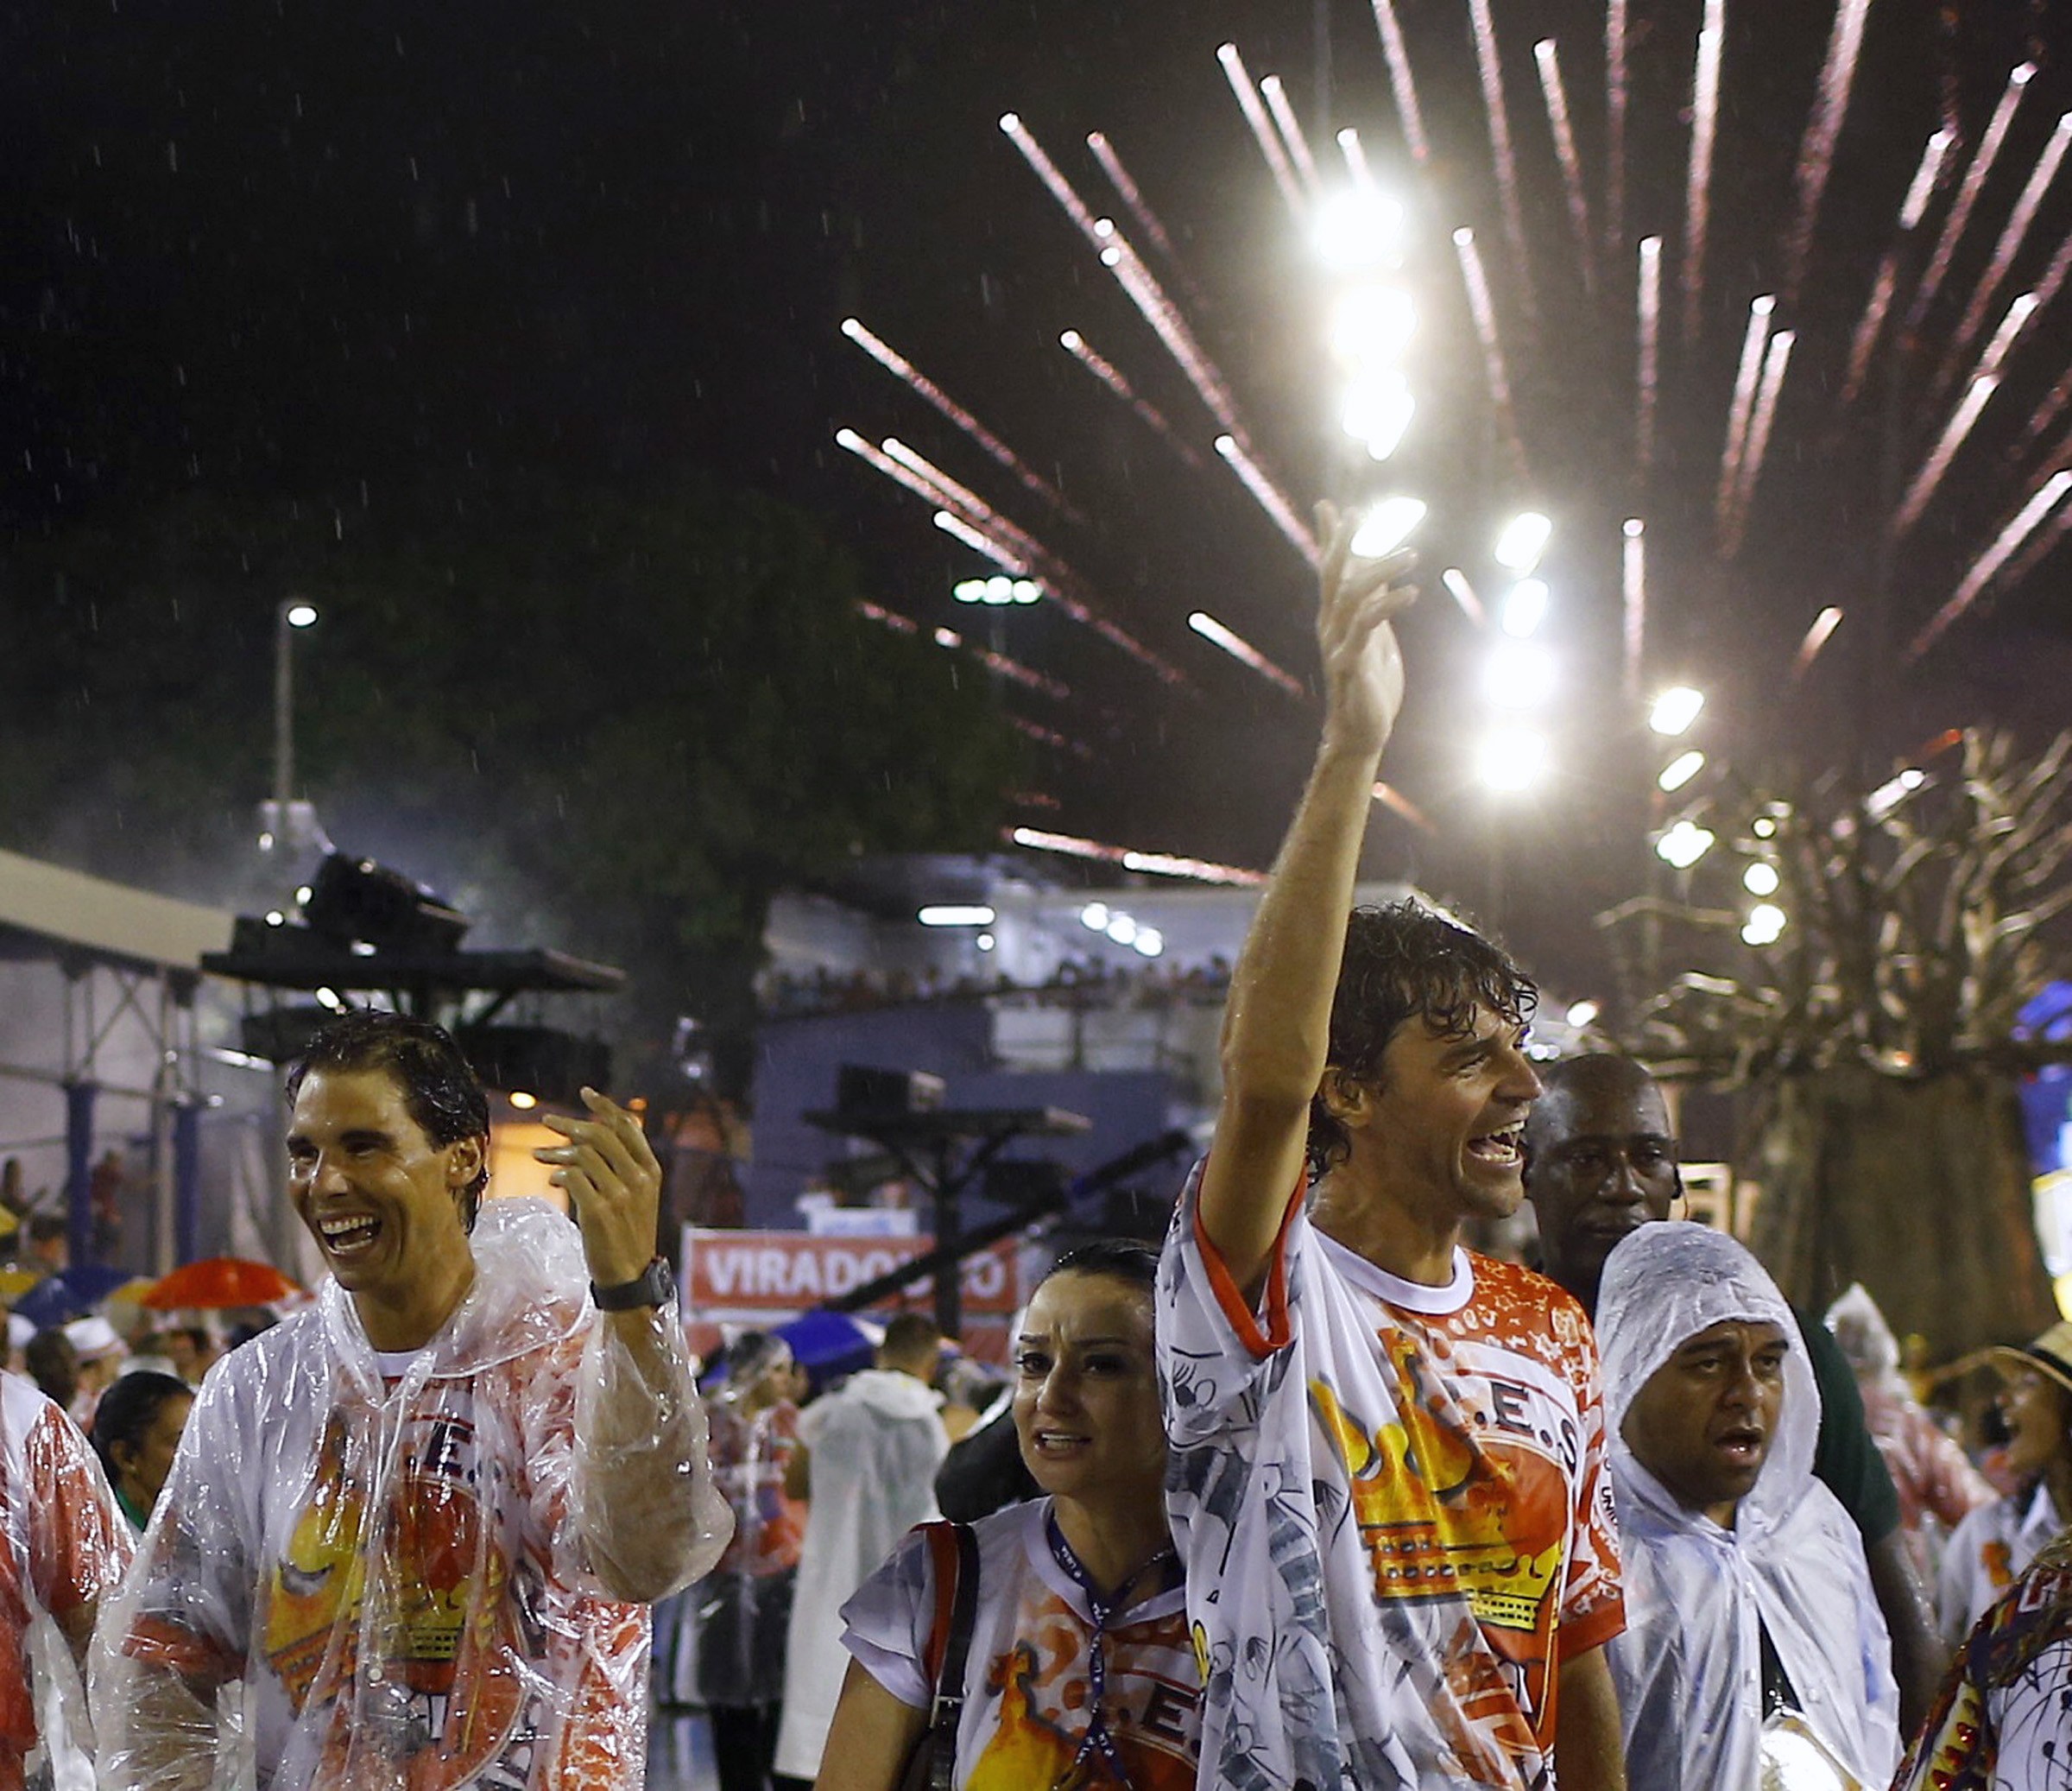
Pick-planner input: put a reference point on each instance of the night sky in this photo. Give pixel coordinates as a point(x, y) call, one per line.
point(351, 252)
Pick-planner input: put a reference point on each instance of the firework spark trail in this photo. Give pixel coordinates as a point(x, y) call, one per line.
point(1072, 845)
point(1493, 348)
point(1745, 374)
point(1704, 135)
point(1394, 799)
point(987, 532)
point(1047, 736)
point(1163, 316)
point(1131, 195)
point(1262, 127)
point(1824, 625)
point(1244, 652)
point(1776, 358)
point(2011, 538)
point(1615, 126)
point(1633, 588)
point(2019, 311)
point(1823, 129)
point(936, 497)
point(1401, 82)
point(1489, 63)
point(2047, 413)
point(1026, 676)
point(1269, 498)
point(1355, 158)
point(1140, 209)
point(1940, 456)
point(1083, 353)
point(1290, 127)
point(1136, 280)
point(1982, 160)
point(2013, 237)
point(1934, 153)
point(2046, 539)
point(1549, 59)
point(903, 369)
point(964, 501)
point(957, 529)
point(1060, 189)
point(1463, 592)
point(1648, 336)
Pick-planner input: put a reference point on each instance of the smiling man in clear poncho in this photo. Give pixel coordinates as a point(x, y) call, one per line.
point(420, 1523)
point(1754, 1653)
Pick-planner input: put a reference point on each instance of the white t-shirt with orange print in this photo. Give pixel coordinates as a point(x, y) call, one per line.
point(1393, 1504)
point(1027, 1677)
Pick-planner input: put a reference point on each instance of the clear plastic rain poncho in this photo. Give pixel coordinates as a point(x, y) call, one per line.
point(63, 1548)
point(410, 1562)
point(1689, 1667)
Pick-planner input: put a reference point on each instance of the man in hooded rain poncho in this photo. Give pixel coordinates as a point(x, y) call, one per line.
point(1752, 1629)
point(415, 1528)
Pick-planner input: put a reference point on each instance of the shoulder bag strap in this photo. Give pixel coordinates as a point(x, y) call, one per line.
point(948, 1709)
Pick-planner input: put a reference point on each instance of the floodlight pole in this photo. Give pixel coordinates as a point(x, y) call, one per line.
point(284, 722)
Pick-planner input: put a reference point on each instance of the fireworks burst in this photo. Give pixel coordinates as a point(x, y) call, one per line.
point(1549, 239)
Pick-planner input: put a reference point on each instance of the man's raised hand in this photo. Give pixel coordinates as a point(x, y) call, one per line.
point(613, 1185)
point(1363, 664)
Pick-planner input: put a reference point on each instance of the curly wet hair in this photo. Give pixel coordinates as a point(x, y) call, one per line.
point(1406, 962)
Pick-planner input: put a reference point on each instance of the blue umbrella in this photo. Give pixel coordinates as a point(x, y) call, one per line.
point(828, 1345)
point(58, 1299)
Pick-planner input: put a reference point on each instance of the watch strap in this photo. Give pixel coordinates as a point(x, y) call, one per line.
point(655, 1286)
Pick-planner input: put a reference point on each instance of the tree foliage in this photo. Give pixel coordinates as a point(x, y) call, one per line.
point(616, 723)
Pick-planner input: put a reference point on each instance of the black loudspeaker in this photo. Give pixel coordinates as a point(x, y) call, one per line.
point(356, 899)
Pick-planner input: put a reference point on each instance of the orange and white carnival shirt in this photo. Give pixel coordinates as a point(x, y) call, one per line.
point(1392, 1503)
point(1029, 1679)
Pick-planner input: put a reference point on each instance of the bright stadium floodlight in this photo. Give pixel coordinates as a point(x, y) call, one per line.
point(1373, 326)
point(1511, 759)
point(1680, 770)
point(300, 615)
point(969, 590)
point(1149, 941)
point(1520, 676)
point(954, 913)
point(1580, 1013)
point(1358, 228)
point(1123, 929)
point(1525, 607)
point(1523, 540)
point(1094, 917)
point(1387, 526)
point(1764, 925)
point(1760, 879)
point(1377, 412)
point(1675, 710)
point(1683, 844)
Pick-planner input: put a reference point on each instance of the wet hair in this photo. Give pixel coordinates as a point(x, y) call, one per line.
point(441, 1093)
point(1118, 1258)
point(910, 1334)
point(128, 1409)
point(1405, 962)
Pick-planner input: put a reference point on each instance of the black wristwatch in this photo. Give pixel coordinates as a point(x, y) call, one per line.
point(657, 1286)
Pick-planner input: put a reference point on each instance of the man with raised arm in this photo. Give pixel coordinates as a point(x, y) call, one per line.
point(415, 1528)
point(1388, 1474)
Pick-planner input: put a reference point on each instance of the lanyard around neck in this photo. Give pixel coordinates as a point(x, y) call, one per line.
point(1101, 1611)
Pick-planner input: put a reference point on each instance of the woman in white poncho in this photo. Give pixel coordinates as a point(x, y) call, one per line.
point(1728, 1541)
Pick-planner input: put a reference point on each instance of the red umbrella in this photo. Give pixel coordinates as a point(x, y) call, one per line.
point(220, 1281)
